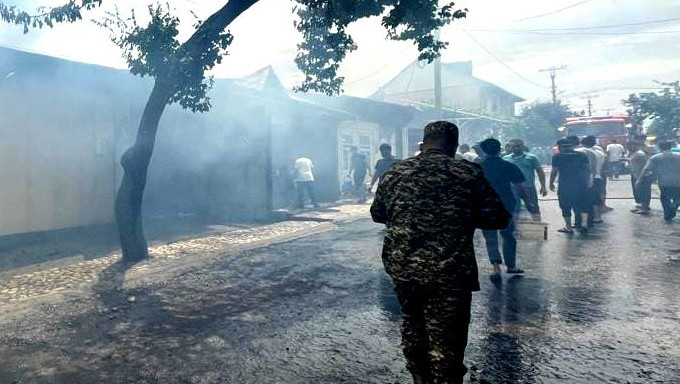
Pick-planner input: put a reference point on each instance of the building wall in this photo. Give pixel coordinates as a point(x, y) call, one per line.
point(496, 103)
point(473, 99)
point(465, 97)
point(64, 127)
point(301, 131)
point(210, 165)
point(57, 158)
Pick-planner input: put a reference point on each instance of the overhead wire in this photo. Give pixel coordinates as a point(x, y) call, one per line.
point(658, 21)
point(551, 12)
point(373, 73)
point(503, 63)
point(538, 32)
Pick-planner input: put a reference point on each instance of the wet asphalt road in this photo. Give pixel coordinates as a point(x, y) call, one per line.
point(602, 308)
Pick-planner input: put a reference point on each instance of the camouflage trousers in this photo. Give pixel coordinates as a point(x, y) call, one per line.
point(434, 330)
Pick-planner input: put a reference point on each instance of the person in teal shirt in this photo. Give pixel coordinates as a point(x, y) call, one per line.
point(530, 166)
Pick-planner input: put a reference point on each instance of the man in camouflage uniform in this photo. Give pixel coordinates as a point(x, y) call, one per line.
point(431, 205)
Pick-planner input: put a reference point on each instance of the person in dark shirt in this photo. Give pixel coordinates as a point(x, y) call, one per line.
point(503, 177)
point(358, 168)
point(384, 164)
point(573, 170)
point(431, 205)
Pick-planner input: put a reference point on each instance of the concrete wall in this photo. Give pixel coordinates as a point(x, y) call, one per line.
point(235, 162)
point(303, 132)
point(65, 125)
point(211, 165)
point(57, 160)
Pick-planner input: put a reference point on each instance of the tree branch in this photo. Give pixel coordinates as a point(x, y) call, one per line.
point(68, 12)
point(215, 24)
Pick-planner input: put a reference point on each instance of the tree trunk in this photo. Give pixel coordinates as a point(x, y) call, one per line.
point(136, 159)
point(135, 162)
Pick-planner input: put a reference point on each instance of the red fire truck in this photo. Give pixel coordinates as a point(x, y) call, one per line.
point(605, 129)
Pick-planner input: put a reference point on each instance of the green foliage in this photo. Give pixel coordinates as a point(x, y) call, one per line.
point(416, 20)
point(45, 16)
point(662, 109)
point(537, 123)
point(153, 50)
point(323, 25)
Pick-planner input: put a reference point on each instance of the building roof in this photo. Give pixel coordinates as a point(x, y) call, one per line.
point(380, 112)
point(263, 80)
point(37, 71)
point(417, 77)
point(52, 74)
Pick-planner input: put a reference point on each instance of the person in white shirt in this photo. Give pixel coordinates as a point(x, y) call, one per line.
point(304, 180)
point(616, 152)
point(467, 153)
point(598, 189)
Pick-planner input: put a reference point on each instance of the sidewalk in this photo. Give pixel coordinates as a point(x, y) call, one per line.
point(75, 271)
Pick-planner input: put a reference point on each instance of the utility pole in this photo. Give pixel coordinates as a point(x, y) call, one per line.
point(590, 98)
point(553, 73)
point(437, 81)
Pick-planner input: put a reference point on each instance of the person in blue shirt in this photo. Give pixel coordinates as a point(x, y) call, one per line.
point(505, 178)
point(530, 167)
point(676, 149)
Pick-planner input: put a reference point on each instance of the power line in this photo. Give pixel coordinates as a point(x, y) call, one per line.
point(552, 12)
point(581, 28)
point(610, 89)
point(502, 62)
point(539, 32)
point(391, 62)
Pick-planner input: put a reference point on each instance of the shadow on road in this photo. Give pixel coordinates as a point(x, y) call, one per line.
point(109, 286)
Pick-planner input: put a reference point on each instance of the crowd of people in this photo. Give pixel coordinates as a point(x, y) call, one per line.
point(432, 203)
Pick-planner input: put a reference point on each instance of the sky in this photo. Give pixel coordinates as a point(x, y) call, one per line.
point(610, 48)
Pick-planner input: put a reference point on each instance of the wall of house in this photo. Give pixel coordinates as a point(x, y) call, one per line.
point(496, 103)
point(302, 131)
point(465, 97)
point(213, 165)
point(64, 127)
point(57, 157)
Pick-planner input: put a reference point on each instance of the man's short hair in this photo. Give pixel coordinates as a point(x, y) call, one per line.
point(573, 140)
point(514, 142)
point(491, 147)
point(440, 129)
point(665, 145)
point(384, 147)
point(589, 141)
point(564, 142)
point(464, 147)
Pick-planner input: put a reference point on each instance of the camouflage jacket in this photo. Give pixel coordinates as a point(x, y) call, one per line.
point(431, 205)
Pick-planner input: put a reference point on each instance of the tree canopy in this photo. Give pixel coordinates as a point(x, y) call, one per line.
point(537, 123)
point(46, 16)
point(661, 108)
point(153, 49)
